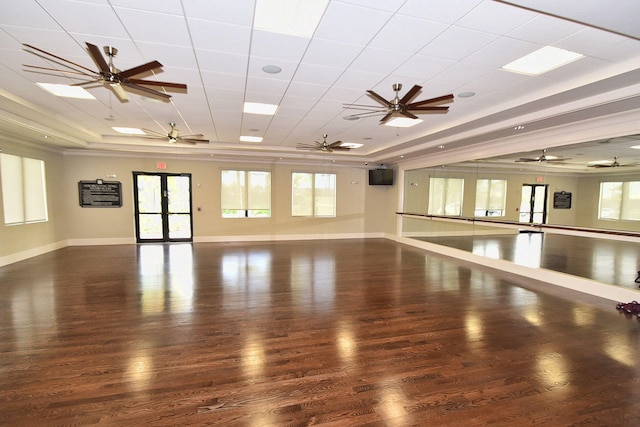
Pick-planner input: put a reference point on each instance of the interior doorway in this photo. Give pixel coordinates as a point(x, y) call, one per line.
point(162, 207)
point(533, 204)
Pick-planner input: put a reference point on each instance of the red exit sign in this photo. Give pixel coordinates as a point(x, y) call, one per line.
point(161, 165)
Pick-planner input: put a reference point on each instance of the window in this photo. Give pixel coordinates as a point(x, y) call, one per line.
point(246, 194)
point(313, 194)
point(24, 190)
point(619, 201)
point(445, 196)
point(491, 197)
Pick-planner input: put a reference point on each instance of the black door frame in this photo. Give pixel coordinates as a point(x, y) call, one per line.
point(532, 199)
point(164, 207)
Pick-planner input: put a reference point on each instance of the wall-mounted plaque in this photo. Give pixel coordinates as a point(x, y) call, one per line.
point(562, 200)
point(100, 194)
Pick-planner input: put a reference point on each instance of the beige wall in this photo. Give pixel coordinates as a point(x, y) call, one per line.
point(362, 210)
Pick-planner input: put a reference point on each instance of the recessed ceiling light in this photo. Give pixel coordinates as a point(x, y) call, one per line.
point(291, 17)
point(351, 145)
point(66, 91)
point(466, 94)
point(519, 127)
point(129, 131)
point(271, 69)
point(246, 138)
point(636, 147)
point(440, 146)
point(542, 60)
point(259, 108)
point(402, 122)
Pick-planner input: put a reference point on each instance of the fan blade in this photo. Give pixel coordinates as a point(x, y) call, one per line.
point(408, 114)
point(140, 69)
point(148, 91)
point(378, 98)
point(157, 83)
point(561, 159)
point(411, 94)
point(97, 57)
point(193, 136)
point(335, 144)
point(368, 114)
point(525, 159)
point(429, 109)
point(193, 141)
point(437, 100)
point(386, 117)
point(119, 91)
point(72, 71)
point(58, 58)
point(153, 132)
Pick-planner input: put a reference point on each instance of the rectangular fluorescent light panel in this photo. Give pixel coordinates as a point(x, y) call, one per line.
point(129, 131)
point(402, 122)
point(245, 138)
point(291, 17)
point(258, 108)
point(542, 60)
point(66, 91)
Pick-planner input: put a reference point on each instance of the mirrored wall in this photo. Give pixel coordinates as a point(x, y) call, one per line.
point(573, 209)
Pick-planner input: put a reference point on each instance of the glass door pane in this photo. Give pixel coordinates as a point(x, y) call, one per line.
point(525, 204)
point(149, 206)
point(179, 206)
point(539, 204)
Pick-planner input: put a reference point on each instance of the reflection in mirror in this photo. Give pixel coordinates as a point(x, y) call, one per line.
point(582, 201)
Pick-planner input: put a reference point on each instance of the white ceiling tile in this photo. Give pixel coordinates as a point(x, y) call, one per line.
point(494, 17)
point(459, 75)
point(589, 40)
point(220, 62)
point(456, 43)
point(278, 46)
point(381, 61)
point(331, 53)
point(386, 5)
point(30, 14)
point(501, 52)
point(348, 23)
point(169, 56)
point(308, 73)
point(407, 34)
point(226, 11)
point(86, 18)
point(447, 12)
point(223, 80)
point(545, 30)
point(358, 80)
point(162, 28)
point(420, 68)
point(162, 6)
point(220, 37)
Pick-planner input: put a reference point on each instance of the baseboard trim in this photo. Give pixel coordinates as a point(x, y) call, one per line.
point(30, 253)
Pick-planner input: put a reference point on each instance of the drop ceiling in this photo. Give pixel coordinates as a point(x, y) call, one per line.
point(211, 46)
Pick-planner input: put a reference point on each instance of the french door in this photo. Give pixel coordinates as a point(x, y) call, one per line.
point(162, 207)
point(533, 204)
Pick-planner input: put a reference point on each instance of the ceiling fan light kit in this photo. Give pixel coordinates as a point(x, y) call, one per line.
point(324, 146)
point(173, 136)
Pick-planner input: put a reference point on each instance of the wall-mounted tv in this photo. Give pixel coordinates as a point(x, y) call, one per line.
point(380, 176)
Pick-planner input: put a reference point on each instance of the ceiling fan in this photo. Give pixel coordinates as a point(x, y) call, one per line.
point(108, 75)
point(543, 158)
point(174, 136)
point(613, 164)
point(324, 146)
point(401, 106)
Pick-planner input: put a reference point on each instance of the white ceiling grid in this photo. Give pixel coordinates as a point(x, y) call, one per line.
point(444, 46)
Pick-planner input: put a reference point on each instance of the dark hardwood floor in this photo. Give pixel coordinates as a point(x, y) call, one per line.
point(344, 332)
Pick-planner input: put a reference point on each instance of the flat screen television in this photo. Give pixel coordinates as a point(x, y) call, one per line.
point(380, 176)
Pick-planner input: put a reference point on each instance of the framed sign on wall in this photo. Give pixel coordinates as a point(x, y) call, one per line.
point(100, 194)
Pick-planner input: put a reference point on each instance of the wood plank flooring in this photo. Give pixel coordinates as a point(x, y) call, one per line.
point(358, 332)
